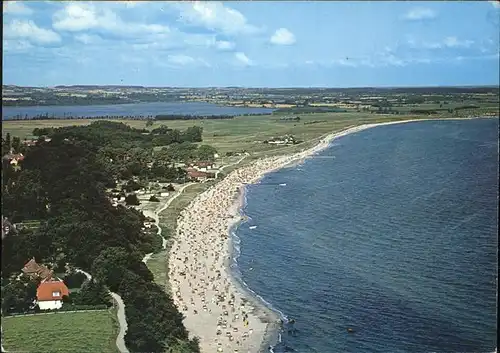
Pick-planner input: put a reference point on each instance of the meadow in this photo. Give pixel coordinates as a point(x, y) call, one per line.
point(240, 133)
point(158, 263)
point(90, 331)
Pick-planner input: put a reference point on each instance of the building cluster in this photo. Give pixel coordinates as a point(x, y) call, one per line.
point(201, 171)
point(50, 291)
point(284, 140)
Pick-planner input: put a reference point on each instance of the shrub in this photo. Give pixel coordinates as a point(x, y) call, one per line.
point(74, 279)
point(153, 198)
point(132, 200)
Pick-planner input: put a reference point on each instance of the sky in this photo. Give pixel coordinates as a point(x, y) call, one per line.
point(251, 44)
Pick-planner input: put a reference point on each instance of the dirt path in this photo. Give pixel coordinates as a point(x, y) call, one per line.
point(156, 216)
point(229, 165)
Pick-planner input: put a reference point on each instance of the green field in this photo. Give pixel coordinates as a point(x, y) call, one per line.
point(158, 263)
point(74, 332)
point(240, 133)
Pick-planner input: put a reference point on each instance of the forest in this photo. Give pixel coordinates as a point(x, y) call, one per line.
point(62, 184)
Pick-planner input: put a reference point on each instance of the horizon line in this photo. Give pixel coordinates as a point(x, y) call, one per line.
point(259, 87)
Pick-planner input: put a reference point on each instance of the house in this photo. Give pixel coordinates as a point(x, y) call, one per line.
point(34, 270)
point(199, 175)
point(29, 142)
point(50, 293)
point(7, 227)
point(164, 194)
point(13, 158)
point(203, 166)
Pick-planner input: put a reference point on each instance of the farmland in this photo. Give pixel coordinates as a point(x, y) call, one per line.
point(241, 133)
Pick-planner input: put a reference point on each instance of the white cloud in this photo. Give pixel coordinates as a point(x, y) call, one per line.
point(283, 36)
point(181, 59)
point(88, 38)
point(13, 45)
point(346, 62)
point(243, 59)
point(131, 4)
point(76, 17)
point(18, 29)
point(495, 4)
point(16, 8)
point(215, 16)
point(453, 42)
point(224, 45)
point(420, 13)
point(448, 42)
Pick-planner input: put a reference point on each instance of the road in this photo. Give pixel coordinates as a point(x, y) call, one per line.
point(122, 320)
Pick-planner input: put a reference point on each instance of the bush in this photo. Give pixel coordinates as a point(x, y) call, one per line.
point(153, 198)
point(74, 279)
point(170, 187)
point(132, 200)
point(92, 293)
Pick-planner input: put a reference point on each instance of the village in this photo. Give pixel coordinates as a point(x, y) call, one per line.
point(58, 288)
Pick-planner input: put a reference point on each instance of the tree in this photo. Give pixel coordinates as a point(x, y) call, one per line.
point(132, 200)
point(92, 293)
point(193, 134)
point(110, 265)
point(149, 122)
point(16, 144)
point(6, 144)
point(206, 153)
point(74, 279)
point(18, 296)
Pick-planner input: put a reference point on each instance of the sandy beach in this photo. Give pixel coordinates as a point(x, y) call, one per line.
point(216, 308)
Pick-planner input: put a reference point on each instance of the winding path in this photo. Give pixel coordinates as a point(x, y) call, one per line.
point(229, 165)
point(156, 216)
point(1, 345)
point(120, 339)
point(156, 213)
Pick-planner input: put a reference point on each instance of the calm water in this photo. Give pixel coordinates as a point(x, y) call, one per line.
point(145, 109)
point(392, 234)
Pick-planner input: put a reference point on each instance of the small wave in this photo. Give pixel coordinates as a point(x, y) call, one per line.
point(236, 272)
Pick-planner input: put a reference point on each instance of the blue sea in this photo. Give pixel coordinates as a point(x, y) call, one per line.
point(390, 232)
point(136, 109)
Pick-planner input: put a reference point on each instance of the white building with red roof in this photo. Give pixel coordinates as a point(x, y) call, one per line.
point(50, 293)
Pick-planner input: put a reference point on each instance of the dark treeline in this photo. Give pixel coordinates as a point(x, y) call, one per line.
point(62, 184)
point(306, 110)
point(191, 117)
point(126, 152)
point(46, 116)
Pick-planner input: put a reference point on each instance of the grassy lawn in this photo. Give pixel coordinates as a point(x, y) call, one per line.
point(61, 332)
point(244, 132)
point(157, 264)
point(168, 221)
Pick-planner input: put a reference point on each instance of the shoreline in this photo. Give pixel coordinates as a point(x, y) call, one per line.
point(209, 220)
point(267, 315)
